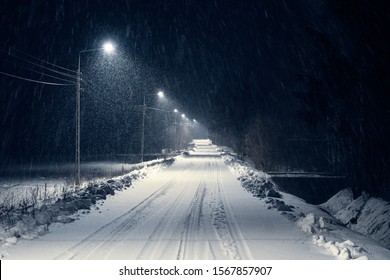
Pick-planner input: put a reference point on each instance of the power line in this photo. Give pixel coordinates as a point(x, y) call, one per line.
point(44, 67)
point(49, 63)
point(34, 57)
point(36, 64)
point(35, 71)
point(35, 81)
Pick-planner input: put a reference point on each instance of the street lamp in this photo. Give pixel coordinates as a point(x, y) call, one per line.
point(176, 140)
point(108, 47)
point(160, 94)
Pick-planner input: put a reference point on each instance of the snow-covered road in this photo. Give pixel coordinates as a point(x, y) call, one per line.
point(187, 217)
point(194, 209)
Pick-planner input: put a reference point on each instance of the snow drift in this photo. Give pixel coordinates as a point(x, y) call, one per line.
point(368, 215)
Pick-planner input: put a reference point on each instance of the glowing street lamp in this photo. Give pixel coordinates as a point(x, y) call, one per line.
point(160, 94)
point(109, 48)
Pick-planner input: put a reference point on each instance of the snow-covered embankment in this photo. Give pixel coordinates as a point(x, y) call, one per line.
point(336, 230)
point(368, 215)
point(33, 220)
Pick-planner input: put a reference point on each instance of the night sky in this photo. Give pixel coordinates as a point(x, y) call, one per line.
point(293, 84)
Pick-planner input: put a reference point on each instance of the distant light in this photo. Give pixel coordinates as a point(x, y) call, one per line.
point(175, 110)
point(108, 47)
point(194, 120)
point(160, 94)
point(183, 115)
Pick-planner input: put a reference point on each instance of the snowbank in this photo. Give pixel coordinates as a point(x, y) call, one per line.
point(28, 225)
point(338, 201)
point(369, 216)
point(254, 181)
point(319, 227)
point(345, 250)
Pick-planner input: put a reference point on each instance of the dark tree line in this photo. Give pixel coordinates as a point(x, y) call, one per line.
point(337, 118)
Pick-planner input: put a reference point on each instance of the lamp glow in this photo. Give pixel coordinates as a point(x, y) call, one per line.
point(108, 47)
point(160, 94)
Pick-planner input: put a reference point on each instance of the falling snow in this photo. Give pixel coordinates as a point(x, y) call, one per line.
point(293, 96)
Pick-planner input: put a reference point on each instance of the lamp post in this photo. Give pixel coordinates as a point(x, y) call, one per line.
point(143, 128)
point(176, 112)
point(160, 95)
point(108, 48)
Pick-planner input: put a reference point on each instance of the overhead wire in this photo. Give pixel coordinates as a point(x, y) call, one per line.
point(10, 54)
point(35, 81)
point(10, 49)
point(49, 63)
point(39, 65)
point(44, 67)
point(35, 71)
point(85, 82)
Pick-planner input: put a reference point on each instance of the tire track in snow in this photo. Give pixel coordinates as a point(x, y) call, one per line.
point(231, 238)
point(164, 242)
point(159, 243)
point(210, 230)
point(194, 241)
point(102, 242)
point(199, 239)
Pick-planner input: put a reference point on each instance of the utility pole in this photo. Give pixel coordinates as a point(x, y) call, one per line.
point(108, 48)
point(77, 163)
point(175, 133)
point(143, 129)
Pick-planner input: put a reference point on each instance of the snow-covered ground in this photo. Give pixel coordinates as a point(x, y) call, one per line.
point(367, 215)
point(329, 230)
point(19, 178)
point(197, 209)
